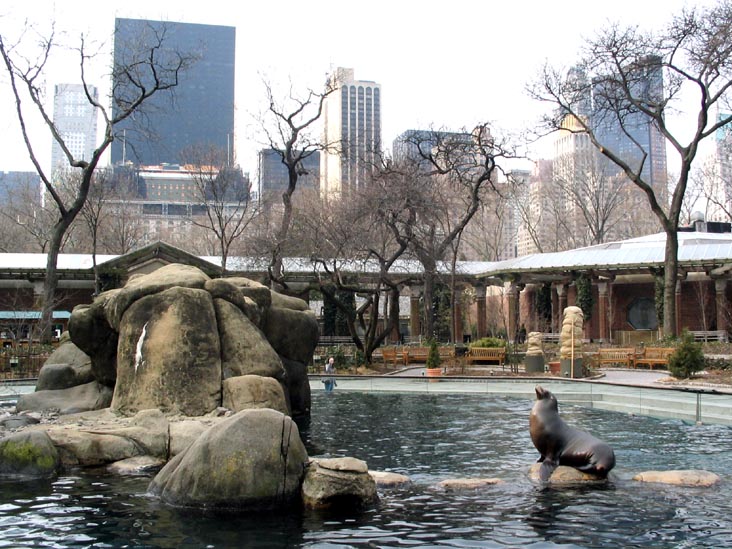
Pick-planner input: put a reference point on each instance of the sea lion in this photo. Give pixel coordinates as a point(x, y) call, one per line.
point(560, 444)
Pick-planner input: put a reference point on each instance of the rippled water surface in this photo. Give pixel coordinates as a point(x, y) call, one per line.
point(429, 438)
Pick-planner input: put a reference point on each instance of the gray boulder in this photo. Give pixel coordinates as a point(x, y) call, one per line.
point(169, 355)
point(251, 460)
point(92, 334)
point(63, 376)
point(297, 387)
point(67, 366)
point(289, 302)
point(246, 392)
point(293, 334)
point(146, 434)
point(342, 482)
point(223, 288)
point(244, 349)
point(259, 293)
point(28, 455)
point(169, 276)
point(81, 398)
point(18, 421)
point(184, 433)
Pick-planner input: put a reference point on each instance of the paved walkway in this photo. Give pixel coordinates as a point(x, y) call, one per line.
point(611, 375)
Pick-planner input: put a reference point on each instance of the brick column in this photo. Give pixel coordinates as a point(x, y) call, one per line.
point(457, 316)
point(678, 307)
point(722, 306)
point(561, 305)
point(415, 325)
point(513, 298)
point(482, 323)
point(602, 311)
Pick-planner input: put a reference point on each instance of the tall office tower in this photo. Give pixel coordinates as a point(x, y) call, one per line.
point(638, 135)
point(76, 121)
point(273, 176)
point(415, 144)
point(352, 125)
point(717, 172)
point(538, 224)
point(199, 111)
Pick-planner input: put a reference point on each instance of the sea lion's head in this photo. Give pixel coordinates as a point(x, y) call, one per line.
point(546, 397)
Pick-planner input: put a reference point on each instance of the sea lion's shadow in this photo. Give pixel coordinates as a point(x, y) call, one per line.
point(553, 500)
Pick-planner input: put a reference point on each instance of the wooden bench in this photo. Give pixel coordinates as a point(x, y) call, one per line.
point(709, 335)
point(617, 355)
point(493, 354)
point(418, 355)
point(394, 356)
point(654, 356)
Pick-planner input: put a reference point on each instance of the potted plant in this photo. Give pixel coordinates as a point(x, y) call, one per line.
point(432, 366)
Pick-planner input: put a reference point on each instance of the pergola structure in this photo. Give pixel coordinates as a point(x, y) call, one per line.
point(622, 276)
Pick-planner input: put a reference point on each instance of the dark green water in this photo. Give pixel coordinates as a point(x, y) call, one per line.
point(429, 438)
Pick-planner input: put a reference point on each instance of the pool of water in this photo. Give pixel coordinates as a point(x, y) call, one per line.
point(429, 437)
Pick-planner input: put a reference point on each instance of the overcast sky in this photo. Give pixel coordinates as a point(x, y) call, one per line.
point(448, 64)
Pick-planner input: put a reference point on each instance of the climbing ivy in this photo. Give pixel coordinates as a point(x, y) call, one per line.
point(584, 295)
point(543, 300)
point(659, 287)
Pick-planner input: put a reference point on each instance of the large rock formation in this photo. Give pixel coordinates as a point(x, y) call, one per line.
point(252, 460)
point(169, 339)
point(156, 369)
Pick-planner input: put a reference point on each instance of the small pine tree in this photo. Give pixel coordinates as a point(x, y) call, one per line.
point(688, 358)
point(433, 358)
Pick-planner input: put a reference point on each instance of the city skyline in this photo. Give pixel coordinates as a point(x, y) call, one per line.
point(450, 88)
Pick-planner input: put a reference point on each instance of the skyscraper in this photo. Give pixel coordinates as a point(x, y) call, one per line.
point(718, 175)
point(200, 109)
point(352, 125)
point(636, 136)
point(76, 121)
point(273, 176)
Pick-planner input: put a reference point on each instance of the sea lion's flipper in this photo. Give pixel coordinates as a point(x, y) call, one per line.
point(541, 458)
point(546, 469)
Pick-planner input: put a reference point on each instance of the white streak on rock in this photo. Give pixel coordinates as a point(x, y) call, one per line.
point(138, 349)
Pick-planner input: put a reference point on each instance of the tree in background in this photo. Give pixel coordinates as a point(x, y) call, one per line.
point(693, 55)
point(444, 179)
point(150, 68)
point(288, 125)
point(224, 196)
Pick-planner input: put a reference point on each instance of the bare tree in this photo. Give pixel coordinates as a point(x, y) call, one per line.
point(288, 125)
point(444, 178)
point(224, 194)
point(148, 70)
point(28, 219)
point(623, 67)
point(596, 201)
point(93, 211)
point(123, 228)
point(352, 235)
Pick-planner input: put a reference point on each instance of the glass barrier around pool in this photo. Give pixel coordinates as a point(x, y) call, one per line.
point(692, 405)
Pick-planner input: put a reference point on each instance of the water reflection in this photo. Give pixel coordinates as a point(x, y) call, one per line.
point(428, 437)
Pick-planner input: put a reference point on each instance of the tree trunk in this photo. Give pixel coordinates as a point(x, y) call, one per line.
point(671, 276)
point(429, 313)
point(51, 283)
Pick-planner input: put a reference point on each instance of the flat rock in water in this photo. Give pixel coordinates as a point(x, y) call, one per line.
point(346, 464)
point(468, 483)
point(387, 479)
point(564, 475)
point(136, 466)
point(683, 477)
